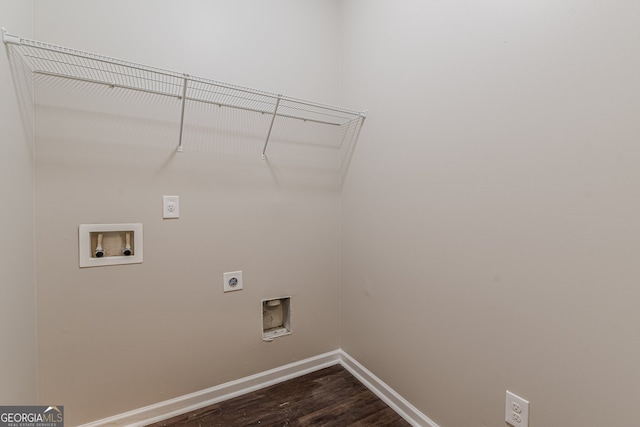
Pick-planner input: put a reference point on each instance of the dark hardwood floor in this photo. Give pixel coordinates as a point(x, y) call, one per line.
point(329, 397)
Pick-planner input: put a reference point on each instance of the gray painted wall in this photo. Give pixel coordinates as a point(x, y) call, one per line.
point(139, 334)
point(490, 219)
point(18, 378)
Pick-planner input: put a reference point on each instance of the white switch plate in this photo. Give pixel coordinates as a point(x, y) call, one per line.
point(516, 411)
point(232, 281)
point(170, 207)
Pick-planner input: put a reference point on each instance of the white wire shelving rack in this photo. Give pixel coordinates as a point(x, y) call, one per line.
point(68, 63)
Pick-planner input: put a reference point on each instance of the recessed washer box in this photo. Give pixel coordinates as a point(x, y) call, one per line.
point(109, 244)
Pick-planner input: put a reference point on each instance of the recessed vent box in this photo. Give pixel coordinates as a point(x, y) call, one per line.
point(276, 318)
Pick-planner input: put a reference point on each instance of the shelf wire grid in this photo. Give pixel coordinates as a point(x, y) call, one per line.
point(64, 62)
point(68, 63)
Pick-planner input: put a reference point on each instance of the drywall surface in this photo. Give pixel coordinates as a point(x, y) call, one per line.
point(491, 210)
point(18, 357)
point(113, 339)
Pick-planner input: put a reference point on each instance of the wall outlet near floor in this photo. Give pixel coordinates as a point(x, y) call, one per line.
point(232, 281)
point(516, 412)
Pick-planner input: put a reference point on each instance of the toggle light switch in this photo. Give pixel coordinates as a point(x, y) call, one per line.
point(170, 207)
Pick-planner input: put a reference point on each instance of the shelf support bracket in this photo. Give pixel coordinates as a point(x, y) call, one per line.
point(184, 100)
point(8, 38)
point(273, 119)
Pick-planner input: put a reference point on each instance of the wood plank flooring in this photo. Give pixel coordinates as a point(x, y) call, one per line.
point(330, 397)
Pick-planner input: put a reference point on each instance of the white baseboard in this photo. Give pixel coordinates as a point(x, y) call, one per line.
point(200, 399)
point(396, 402)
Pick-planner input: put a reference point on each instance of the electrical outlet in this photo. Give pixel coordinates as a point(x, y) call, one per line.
point(516, 411)
point(232, 281)
point(170, 207)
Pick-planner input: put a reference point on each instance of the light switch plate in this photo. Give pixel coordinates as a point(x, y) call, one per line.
point(232, 281)
point(170, 207)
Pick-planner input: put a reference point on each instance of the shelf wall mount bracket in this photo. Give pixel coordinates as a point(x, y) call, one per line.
point(8, 38)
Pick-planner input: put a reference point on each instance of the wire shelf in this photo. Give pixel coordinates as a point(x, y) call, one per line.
point(63, 62)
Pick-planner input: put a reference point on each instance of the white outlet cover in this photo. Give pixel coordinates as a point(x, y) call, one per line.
point(516, 411)
point(232, 281)
point(170, 207)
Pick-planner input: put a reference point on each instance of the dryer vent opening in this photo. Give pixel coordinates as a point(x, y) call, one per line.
point(276, 318)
